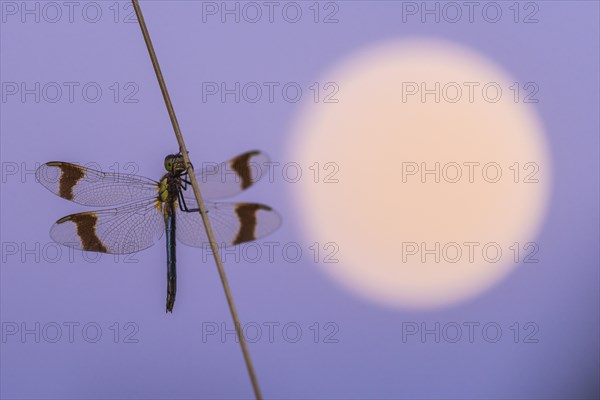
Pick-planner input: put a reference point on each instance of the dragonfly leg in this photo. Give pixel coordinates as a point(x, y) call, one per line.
point(184, 182)
point(183, 206)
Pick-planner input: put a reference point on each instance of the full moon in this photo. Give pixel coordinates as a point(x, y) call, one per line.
point(434, 173)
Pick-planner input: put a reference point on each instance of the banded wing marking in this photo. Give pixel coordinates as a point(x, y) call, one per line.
point(94, 188)
point(232, 223)
point(123, 230)
point(230, 177)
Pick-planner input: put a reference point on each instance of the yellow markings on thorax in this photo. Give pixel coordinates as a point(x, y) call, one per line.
point(164, 198)
point(163, 190)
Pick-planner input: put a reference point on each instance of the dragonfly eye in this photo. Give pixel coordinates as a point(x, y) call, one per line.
point(169, 162)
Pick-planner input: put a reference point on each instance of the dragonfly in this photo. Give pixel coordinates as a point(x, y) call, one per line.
point(147, 209)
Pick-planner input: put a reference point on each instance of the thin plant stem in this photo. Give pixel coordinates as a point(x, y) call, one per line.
point(201, 206)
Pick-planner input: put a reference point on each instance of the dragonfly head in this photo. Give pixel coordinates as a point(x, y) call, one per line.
point(174, 163)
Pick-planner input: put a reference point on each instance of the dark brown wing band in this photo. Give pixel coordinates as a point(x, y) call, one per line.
point(247, 216)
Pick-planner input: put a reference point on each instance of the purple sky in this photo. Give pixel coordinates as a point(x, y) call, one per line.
point(360, 350)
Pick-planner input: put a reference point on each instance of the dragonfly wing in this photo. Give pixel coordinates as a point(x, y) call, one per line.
point(229, 178)
point(232, 223)
point(121, 230)
point(94, 188)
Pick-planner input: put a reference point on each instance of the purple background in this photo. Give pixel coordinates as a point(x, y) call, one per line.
point(560, 294)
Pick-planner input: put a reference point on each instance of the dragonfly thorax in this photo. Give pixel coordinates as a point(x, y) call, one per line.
point(169, 187)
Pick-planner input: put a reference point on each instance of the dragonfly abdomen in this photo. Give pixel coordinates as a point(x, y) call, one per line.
point(170, 223)
point(172, 190)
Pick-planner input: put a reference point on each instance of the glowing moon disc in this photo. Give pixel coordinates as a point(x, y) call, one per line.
point(443, 173)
